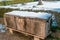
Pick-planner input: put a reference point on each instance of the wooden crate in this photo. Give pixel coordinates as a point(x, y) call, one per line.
point(37, 27)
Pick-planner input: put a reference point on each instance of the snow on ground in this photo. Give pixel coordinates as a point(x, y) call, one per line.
point(9, 7)
point(54, 6)
point(46, 6)
point(2, 28)
point(41, 15)
point(33, 6)
point(57, 10)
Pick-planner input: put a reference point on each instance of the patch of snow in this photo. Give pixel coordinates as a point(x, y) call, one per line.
point(56, 10)
point(9, 7)
point(46, 6)
point(55, 4)
point(4, 6)
point(2, 30)
point(29, 6)
point(2, 27)
point(41, 15)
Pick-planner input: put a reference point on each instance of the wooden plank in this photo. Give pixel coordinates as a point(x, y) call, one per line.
point(30, 26)
point(35, 38)
point(26, 33)
point(11, 31)
point(42, 29)
point(5, 22)
point(10, 21)
point(23, 32)
point(36, 27)
point(20, 23)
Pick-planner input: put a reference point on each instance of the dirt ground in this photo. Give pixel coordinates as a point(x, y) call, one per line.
point(18, 36)
point(15, 36)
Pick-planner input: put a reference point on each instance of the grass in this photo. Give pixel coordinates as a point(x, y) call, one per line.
point(15, 1)
point(55, 34)
point(3, 10)
point(52, 38)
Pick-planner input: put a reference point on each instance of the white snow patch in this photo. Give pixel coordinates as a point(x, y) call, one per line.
point(2, 28)
point(41, 15)
point(33, 6)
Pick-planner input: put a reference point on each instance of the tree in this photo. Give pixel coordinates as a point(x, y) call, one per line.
point(40, 2)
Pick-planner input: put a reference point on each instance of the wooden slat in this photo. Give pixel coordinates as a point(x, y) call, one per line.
point(10, 20)
point(20, 23)
point(30, 26)
point(26, 33)
point(5, 22)
point(35, 38)
point(11, 31)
